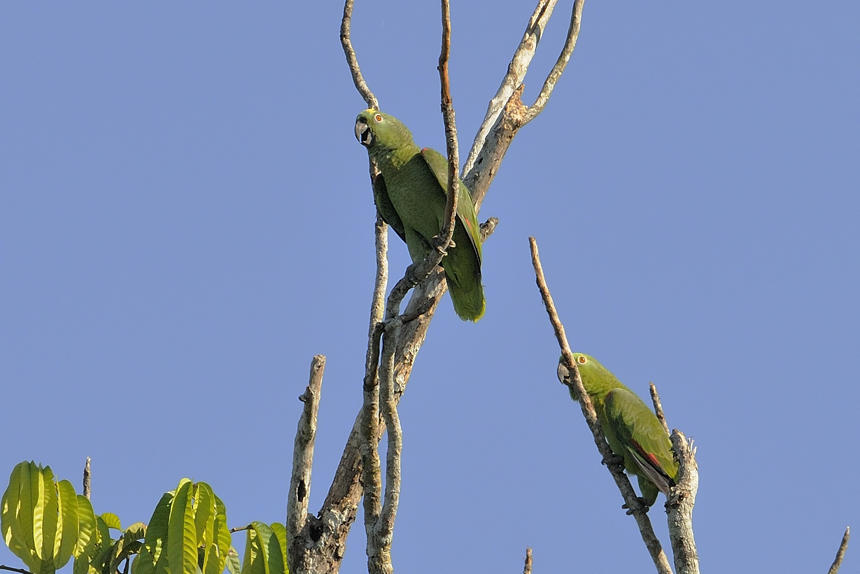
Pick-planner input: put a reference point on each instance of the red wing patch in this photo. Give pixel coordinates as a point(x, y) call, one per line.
point(649, 455)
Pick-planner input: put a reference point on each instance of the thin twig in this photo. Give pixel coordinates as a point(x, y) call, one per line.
point(239, 528)
point(527, 568)
point(303, 451)
point(11, 569)
point(560, 64)
point(658, 406)
point(352, 59)
point(679, 506)
point(447, 232)
point(631, 500)
point(840, 554)
point(87, 478)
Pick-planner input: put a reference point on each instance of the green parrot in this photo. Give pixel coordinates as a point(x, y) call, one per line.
point(410, 195)
point(633, 432)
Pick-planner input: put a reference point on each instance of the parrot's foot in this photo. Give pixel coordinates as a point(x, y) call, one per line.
point(613, 460)
point(643, 504)
point(440, 245)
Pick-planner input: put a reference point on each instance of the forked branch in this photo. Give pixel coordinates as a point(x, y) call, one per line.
point(322, 541)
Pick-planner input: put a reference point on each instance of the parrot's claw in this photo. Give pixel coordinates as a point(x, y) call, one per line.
point(613, 460)
point(440, 246)
point(643, 504)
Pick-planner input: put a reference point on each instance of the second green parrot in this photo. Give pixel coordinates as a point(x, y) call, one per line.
point(410, 195)
point(632, 430)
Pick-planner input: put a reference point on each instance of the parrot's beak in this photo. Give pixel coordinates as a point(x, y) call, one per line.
point(363, 133)
point(563, 374)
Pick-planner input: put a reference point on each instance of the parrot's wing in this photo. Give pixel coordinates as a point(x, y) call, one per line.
point(645, 439)
point(438, 164)
point(385, 208)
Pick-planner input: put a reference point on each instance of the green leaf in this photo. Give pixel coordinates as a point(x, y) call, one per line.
point(14, 533)
point(278, 549)
point(136, 531)
point(24, 516)
point(204, 512)
point(143, 563)
point(255, 561)
point(233, 566)
point(67, 527)
point(181, 532)
point(156, 532)
point(111, 520)
point(211, 560)
point(222, 534)
point(88, 536)
point(87, 529)
point(45, 517)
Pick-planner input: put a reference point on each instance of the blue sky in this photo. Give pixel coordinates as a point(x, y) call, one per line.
point(186, 219)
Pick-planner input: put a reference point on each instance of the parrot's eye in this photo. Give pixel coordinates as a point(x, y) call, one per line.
point(378, 117)
point(581, 360)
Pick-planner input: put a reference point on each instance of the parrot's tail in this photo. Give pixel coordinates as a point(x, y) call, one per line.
point(469, 302)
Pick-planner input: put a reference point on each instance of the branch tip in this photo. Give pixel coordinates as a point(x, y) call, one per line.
point(840, 553)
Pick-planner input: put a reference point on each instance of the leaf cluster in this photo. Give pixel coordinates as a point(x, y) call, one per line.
point(46, 524)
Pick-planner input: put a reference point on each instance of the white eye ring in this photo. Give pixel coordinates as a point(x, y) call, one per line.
point(378, 118)
point(581, 360)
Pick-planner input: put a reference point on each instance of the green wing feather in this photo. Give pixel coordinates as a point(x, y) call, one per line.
point(385, 208)
point(463, 263)
point(642, 437)
point(465, 207)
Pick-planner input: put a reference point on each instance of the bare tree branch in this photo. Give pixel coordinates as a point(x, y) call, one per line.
point(631, 500)
point(303, 451)
point(840, 554)
point(527, 568)
point(679, 506)
point(560, 63)
point(11, 569)
point(447, 232)
point(88, 473)
point(381, 532)
point(370, 425)
point(352, 59)
point(323, 540)
point(658, 406)
point(483, 157)
point(506, 113)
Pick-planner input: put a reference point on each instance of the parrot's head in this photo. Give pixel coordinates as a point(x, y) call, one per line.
point(377, 131)
point(565, 377)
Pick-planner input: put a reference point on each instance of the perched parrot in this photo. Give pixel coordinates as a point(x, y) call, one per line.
point(633, 432)
point(410, 196)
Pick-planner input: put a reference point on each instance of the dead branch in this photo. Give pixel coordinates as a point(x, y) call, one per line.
point(840, 554)
point(631, 501)
point(679, 506)
point(303, 452)
point(352, 59)
point(527, 567)
point(88, 474)
point(658, 406)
